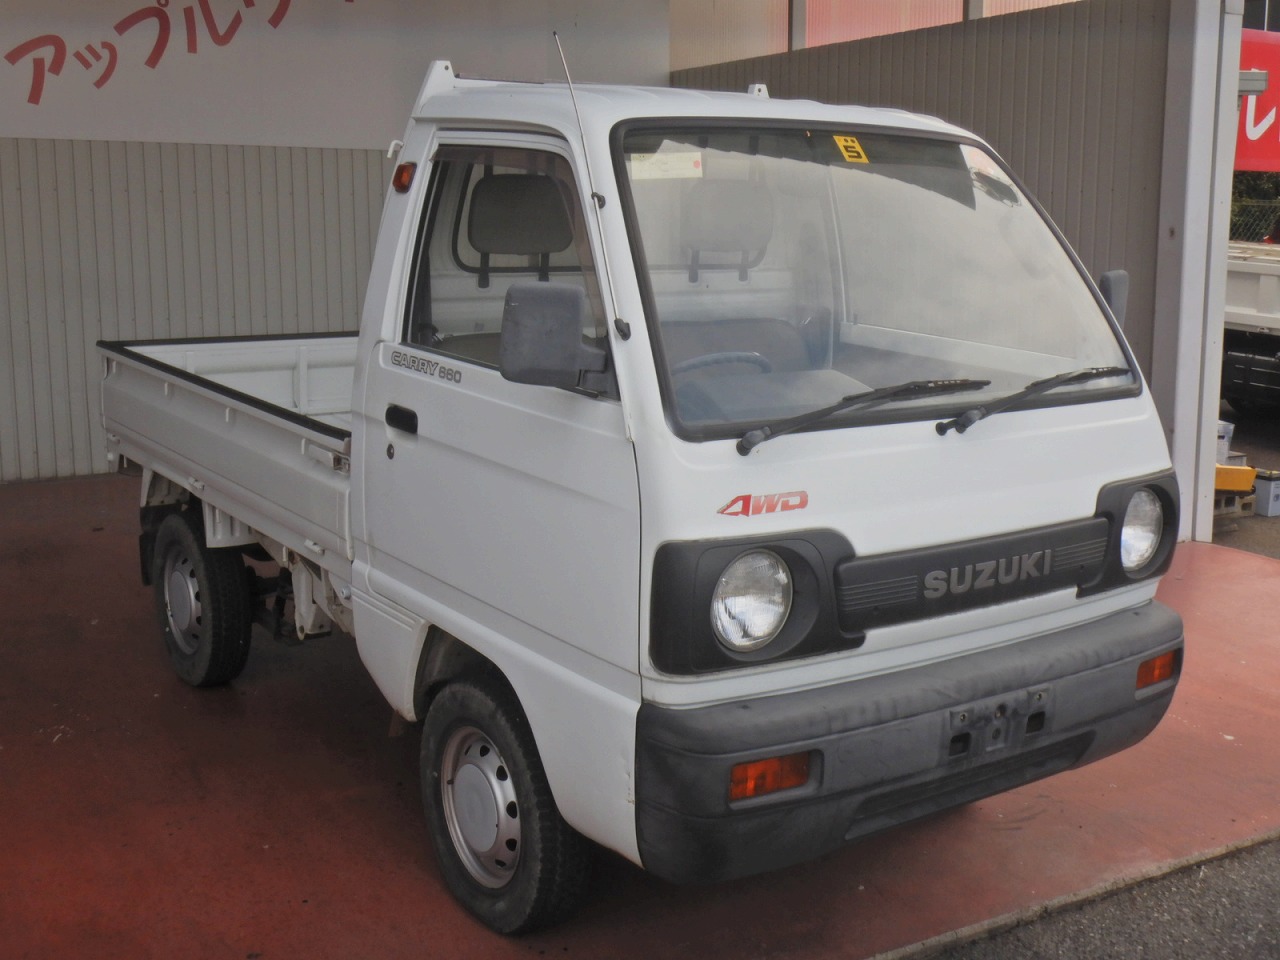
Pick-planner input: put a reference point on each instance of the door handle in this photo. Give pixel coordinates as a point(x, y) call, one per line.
point(402, 418)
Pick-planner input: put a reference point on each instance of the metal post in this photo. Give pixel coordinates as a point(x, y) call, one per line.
point(797, 28)
point(1191, 258)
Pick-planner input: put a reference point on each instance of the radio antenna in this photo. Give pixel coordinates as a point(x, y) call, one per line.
point(597, 198)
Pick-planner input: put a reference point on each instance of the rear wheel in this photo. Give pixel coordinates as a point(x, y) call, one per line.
point(504, 850)
point(202, 598)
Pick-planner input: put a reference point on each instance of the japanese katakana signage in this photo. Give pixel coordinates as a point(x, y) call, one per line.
point(183, 70)
point(46, 54)
point(1258, 140)
point(338, 73)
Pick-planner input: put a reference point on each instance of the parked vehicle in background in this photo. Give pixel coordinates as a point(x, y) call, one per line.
point(1251, 338)
point(719, 480)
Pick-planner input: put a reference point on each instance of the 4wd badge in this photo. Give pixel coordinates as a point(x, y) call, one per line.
point(752, 505)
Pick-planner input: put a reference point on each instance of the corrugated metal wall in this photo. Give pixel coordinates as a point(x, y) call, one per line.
point(120, 241)
point(1073, 96)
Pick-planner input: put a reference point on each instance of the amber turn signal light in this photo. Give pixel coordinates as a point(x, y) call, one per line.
point(402, 179)
point(1151, 672)
point(760, 777)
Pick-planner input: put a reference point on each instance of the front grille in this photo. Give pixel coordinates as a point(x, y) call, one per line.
point(916, 584)
point(879, 593)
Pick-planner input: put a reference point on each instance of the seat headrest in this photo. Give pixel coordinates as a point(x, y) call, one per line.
point(518, 213)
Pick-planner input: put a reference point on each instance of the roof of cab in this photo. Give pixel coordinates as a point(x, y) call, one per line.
point(447, 98)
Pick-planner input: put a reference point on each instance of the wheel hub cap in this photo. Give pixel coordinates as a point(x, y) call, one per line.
point(182, 601)
point(477, 808)
point(480, 808)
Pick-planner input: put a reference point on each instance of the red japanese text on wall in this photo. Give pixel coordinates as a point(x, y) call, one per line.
point(140, 39)
point(1258, 140)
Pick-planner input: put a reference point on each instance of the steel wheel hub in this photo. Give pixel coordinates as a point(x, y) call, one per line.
point(480, 808)
point(182, 603)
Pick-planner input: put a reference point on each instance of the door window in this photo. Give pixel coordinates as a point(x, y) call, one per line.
point(495, 216)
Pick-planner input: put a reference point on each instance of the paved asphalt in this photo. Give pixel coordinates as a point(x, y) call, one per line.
point(1224, 909)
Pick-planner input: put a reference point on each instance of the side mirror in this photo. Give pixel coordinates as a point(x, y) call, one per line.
point(541, 340)
point(1114, 285)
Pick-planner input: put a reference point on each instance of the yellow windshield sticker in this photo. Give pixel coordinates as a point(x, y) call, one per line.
point(851, 149)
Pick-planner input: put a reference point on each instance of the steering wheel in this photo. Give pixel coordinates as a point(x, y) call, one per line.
point(749, 357)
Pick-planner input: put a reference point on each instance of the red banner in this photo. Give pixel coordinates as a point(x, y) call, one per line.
point(1258, 139)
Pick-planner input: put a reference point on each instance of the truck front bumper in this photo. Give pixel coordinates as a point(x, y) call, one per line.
point(885, 750)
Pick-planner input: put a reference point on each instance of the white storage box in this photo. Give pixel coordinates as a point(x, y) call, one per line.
point(1267, 491)
point(1225, 430)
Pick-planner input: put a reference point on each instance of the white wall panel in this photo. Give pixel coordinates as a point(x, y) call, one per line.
point(122, 241)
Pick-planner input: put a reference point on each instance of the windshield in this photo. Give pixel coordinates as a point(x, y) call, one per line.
point(788, 268)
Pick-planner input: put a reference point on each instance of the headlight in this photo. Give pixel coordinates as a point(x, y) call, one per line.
point(1140, 535)
point(1142, 514)
point(751, 601)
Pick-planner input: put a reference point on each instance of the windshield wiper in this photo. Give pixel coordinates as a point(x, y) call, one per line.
point(967, 419)
point(911, 390)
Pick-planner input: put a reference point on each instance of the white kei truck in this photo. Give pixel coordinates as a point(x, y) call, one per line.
point(719, 479)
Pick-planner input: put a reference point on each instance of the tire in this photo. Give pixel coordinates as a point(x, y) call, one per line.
point(1249, 409)
point(504, 850)
point(202, 599)
point(1241, 407)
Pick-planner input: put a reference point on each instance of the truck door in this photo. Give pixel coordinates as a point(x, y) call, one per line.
point(505, 513)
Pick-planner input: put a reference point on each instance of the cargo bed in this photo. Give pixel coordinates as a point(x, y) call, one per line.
point(256, 427)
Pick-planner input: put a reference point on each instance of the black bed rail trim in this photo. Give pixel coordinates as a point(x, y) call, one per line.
point(125, 349)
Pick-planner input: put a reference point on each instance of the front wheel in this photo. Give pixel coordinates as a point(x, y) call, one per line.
point(202, 598)
point(504, 850)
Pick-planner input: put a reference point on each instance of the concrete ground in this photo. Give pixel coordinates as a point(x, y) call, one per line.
point(279, 817)
point(1221, 909)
